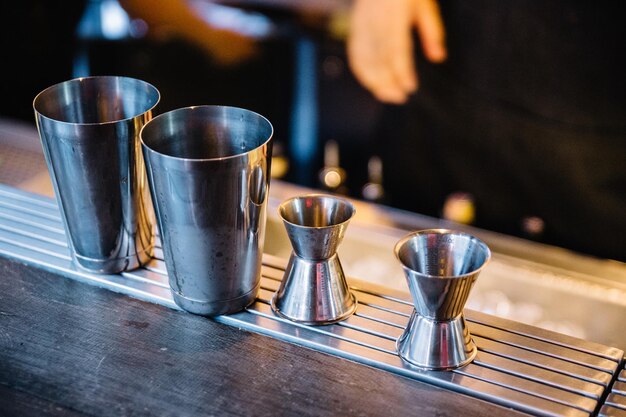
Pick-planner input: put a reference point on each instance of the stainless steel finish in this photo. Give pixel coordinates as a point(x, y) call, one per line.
point(540, 285)
point(608, 411)
point(89, 130)
point(208, 169)
point(314, 288)
point(518, 366)
point(616, 401)
point(615, 404)
point(441, 267)
point(619, 387)
point(544, 286)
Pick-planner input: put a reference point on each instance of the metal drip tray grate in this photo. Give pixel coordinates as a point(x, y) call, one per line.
point(517, 366)
point(615, 404)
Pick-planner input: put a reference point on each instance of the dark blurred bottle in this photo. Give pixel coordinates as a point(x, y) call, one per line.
point(332, 177)
point(373, 190)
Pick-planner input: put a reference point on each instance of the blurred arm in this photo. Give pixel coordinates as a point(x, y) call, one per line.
point(380, 46)
point(178, 18)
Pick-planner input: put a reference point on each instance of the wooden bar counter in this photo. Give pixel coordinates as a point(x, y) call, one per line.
point(69, 348)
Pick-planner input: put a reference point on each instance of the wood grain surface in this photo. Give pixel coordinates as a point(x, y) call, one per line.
point(71, 349)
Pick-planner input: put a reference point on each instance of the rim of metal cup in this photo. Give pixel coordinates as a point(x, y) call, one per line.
point(186, 109)
point(316, 195)
point(53, 87)
point(411, 235)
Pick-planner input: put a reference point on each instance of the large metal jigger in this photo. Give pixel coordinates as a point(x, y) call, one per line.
point(441, 267)
point(314, 288)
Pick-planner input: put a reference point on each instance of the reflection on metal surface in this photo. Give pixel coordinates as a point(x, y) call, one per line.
point(518, 366)
point(208, 170)
point(615, 404)
point(89, 129)
point(441, 267)
point(314, 288)
point(536, 284)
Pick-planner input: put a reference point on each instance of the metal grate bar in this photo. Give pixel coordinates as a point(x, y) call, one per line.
point(608, 411)
point(539, 360)
point(611, 353)
point(616, 401)
point(615, 404)
point(518, 366)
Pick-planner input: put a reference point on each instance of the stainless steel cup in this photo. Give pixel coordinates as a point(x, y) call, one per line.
point(314, 289)
point(441, 267)
point(89, 130)
point(209, 174)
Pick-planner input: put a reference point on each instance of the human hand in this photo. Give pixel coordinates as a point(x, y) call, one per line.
point(380, 46)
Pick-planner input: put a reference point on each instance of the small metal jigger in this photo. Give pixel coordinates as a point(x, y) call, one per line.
point(441, 267)
point(314, 288)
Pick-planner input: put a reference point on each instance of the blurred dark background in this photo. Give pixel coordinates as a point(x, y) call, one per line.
point(327, 127)
point(298, 78)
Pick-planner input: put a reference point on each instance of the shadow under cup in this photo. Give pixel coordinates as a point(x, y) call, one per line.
point(209, 174)
point(89, 130)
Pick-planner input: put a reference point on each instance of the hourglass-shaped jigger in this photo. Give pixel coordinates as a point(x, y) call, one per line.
point(441, 267)
point(314, 288)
